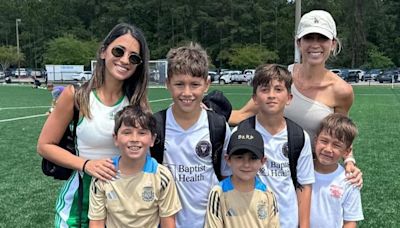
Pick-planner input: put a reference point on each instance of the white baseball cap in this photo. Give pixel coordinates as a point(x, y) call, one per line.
point(317, 21)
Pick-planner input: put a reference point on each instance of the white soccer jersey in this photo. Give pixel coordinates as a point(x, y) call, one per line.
point(276, 172)
point(187, 154)
point(334, 201)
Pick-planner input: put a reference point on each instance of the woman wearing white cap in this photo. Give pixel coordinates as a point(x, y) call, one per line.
point(317, 92)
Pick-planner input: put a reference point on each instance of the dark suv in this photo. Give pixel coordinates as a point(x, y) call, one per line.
point(350, 76)
point(387, 76)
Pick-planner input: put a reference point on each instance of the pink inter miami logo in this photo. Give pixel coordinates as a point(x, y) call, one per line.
point(336, 191)
point(203, 148)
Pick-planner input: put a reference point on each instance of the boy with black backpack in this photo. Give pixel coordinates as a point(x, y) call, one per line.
point(289, 170)
point(190, 140)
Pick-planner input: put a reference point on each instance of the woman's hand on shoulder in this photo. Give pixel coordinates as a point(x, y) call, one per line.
point(354, 175)
point(248, 110)
point(102, 169)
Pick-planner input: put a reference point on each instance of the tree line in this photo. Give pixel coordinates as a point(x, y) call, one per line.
point(236, 33)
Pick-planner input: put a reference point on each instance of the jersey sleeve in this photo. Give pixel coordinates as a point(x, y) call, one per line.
point(273, 216)
point(305, 165)
point(214, 210)
point(352, 208)
point(225, 170)
point(97, 200)
point(169, 203)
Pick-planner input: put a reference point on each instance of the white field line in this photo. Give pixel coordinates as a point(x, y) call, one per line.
point(165, 99)
point(21, 118)
point(28, 107)
point(39, 115)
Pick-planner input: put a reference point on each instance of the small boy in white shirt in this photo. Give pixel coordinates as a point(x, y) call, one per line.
point(334, 202)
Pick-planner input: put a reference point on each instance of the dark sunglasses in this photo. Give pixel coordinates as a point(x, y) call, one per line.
point(119, 51)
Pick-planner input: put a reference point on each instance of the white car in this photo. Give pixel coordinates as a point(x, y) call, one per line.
point(359, 72)
point(83, 76)
point(20, 72)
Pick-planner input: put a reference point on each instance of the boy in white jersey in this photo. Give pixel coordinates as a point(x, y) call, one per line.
point(334, 202)
point(144, 193)
point(187, 148)
point(242, 200)
point(271, 92)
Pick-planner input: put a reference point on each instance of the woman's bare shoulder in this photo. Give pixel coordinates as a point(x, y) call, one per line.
point(343, 93)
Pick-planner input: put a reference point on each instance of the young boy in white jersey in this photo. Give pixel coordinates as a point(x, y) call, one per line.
point(334, 203)
point(242, 200)
point(144, 193)
point(271, 92)
point(188, 151)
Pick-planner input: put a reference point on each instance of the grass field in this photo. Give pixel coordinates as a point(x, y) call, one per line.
point(28, 197)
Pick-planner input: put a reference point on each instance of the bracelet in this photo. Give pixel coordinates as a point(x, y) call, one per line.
point(349, 159)
point(84, 165)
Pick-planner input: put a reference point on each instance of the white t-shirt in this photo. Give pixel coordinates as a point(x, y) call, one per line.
point(334, 201)
point(276, 173)
point(187, 154)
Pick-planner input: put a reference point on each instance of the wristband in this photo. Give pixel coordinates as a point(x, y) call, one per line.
point(349, 159)
point(84, 165)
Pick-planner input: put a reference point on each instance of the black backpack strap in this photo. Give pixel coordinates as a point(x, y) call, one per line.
point(217, 128)
point(75, 120)
point(157, 151)
point(248, 123)
point(295, 145)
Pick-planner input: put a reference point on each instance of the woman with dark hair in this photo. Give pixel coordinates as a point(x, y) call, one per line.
point(120, 79)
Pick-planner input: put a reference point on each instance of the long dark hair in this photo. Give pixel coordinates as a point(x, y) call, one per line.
point(134, 87)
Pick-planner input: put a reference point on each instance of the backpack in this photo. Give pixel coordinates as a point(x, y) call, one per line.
point(295, 144)
point(217, 129)
point(67, 142)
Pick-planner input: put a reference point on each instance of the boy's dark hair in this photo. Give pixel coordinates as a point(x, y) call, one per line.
point(135, 116)
point(339, 126)
point(267, 72)
point(191, 59)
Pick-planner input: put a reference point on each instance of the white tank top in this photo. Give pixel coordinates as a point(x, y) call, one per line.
point(306, 112)
point(94, 136)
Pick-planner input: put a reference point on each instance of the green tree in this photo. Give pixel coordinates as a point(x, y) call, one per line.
point(250, 56)
point(377, 59)
point(8, 55)
point(69, 50)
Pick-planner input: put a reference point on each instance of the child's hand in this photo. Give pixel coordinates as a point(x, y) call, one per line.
point(102, 169)
point(354, 175)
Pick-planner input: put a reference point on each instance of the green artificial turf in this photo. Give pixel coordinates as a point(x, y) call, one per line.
point(28, 197)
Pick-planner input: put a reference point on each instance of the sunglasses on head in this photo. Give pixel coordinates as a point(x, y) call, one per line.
point(119, 51)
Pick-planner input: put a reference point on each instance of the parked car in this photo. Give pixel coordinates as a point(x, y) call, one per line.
point(359, 72)
point(8, 72)
point(213, 76)
point(35, 73)
point(82, 76)
point(351, 76)
point(229, 77)
point(2, 75)
point(371, 74)
point(388, 76)
point(21, 72)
